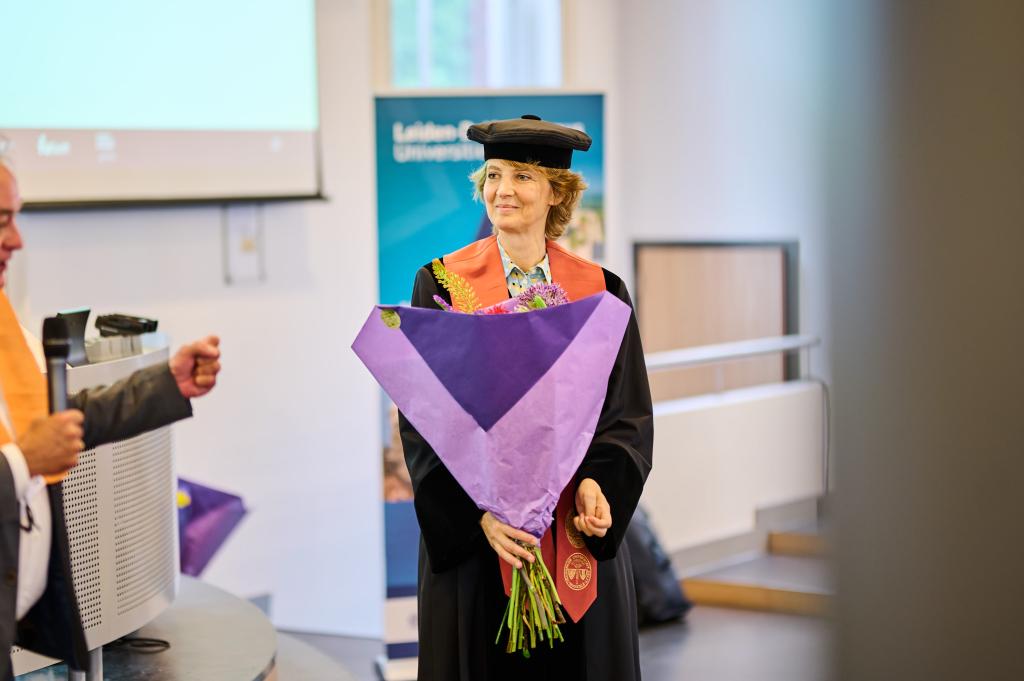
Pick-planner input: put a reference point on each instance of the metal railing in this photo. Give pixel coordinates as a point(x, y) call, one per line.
point(722, 352)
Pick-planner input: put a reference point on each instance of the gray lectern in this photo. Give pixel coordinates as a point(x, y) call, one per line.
point(122, 525)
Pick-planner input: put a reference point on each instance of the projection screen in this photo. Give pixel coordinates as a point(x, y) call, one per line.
point(134, 101)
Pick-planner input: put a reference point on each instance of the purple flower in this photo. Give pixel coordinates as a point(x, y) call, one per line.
point(550, 294)
point(443, 305)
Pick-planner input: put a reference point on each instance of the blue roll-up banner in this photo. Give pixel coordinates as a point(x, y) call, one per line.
point(425, 208)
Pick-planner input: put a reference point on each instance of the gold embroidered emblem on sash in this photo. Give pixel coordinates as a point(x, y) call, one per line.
point(571, 533)
point(577, 572)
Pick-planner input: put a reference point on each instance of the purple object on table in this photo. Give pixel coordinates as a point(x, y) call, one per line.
point(205, 523)
point(509, 402)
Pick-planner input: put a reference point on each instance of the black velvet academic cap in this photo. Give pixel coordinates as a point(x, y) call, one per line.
point(529, 140)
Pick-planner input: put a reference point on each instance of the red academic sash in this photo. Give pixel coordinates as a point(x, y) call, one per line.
point(567, 557)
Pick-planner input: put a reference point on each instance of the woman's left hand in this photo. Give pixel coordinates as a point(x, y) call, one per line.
point(593, 513)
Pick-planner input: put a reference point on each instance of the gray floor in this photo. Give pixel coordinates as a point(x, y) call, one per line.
point(798, 573)
point(717, 644)
point(299, 661)
point(713, 644)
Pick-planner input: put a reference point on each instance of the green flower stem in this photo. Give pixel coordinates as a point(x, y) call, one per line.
point(547, 575)
point(537, 595)
point(516, 613)
point(512, 598)
point(534, 608)
point(501, 627)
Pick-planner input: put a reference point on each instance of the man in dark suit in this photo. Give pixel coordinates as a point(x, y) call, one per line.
point(38, 609)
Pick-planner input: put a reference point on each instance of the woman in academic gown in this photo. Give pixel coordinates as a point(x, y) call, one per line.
point(530, 193)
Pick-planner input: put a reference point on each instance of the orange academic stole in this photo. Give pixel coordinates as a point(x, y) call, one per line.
point(568, 559)
point(20, 377)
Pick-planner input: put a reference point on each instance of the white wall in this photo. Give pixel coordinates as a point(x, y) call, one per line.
point(714, 119)
point(719, 458)
point(292, 426)
point(592, 51)
point(715, 113)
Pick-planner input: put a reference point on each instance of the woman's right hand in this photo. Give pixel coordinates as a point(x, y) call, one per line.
point(502, 539)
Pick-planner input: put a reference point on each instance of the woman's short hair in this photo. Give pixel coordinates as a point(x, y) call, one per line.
point(567, 185)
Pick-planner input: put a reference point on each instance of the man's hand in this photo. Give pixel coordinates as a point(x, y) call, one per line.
point(594, 515)
point(51, 444)
point(195, 366)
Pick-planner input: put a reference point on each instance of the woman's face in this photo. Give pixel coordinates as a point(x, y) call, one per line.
point(517, 200)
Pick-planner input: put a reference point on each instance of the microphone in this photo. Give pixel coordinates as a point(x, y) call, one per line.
point(56, 347)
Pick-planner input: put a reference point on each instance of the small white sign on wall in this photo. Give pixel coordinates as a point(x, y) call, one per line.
point(244, 251)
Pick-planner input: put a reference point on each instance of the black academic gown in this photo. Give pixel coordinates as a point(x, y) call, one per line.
point(461, 598)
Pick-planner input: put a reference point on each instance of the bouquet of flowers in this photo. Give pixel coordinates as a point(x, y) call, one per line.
point(536, 297)
point(512, 428)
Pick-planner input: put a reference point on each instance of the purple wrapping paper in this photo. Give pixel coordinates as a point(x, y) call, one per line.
point(508, 402)
point(205, 524)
